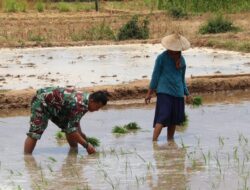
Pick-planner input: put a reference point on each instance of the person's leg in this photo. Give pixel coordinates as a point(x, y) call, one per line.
point(38, 123)
point(72, 143)
point(171, 131)
point(29, 145)
point(157, 130)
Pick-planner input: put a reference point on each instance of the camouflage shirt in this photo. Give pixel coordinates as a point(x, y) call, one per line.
point(63, 106)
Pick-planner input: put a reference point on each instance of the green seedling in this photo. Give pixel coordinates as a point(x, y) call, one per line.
point(185, 122)
point(94, 141)
point(119, 130)
point(132, 126)
point(197, 101)
point(60, 135)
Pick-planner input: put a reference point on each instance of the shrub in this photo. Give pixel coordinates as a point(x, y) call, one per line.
point(133, 30)
point(35, 37)
point(217, 25)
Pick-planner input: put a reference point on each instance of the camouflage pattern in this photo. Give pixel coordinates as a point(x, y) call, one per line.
point(63, 106)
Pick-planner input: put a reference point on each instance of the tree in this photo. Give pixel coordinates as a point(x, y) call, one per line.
point(96, 5)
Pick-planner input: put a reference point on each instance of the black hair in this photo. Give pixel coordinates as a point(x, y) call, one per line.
point(100, 97)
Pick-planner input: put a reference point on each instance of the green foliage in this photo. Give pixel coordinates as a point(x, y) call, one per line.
point(133, 30)
point(94, 141)
point(99, 32)
point(177, 12)
point(119, 130)
point(197, 100)
point(63, 7)
point(198, 6)
point(14, 5)
point(185, 122)
point(132, 126)
point(35, 37)
point(40, 6)
point(60, 135)
point(217, 25)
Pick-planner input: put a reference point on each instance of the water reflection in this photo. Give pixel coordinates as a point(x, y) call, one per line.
point(170, 165)
point(70, 176)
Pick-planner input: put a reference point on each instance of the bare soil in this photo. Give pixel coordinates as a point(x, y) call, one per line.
point(14, 99)
point(56, 29)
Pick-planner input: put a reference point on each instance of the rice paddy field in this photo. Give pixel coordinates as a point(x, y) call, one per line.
point(211, 152)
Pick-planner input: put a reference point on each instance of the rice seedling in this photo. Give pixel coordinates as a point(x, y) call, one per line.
point(132, 126)
point(94, 141)
point(60, 135)
point(119, 130)
point(221, 141)
point(185, 122)
point(197, 101)
point(52, 159)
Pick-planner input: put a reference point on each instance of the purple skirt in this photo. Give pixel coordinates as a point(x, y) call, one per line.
point(169, 110)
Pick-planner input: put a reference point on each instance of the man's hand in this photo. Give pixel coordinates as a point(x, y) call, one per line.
point(90, 149)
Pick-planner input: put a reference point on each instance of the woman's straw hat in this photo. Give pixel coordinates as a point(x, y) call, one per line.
point(175, 42)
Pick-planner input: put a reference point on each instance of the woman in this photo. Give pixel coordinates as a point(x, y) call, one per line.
point(168, 79)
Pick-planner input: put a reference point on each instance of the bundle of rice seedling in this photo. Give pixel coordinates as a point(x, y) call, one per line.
point(60, 135)
point(185, 122)
point(94, 141)
point(197, 100)
point(132, 126)
point(119, 130)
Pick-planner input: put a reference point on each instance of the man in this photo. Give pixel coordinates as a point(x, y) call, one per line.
point(64, 107)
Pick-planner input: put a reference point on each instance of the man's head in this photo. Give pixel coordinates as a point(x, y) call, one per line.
point(97, 100)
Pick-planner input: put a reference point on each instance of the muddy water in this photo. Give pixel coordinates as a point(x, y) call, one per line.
point(212, 152)
point(101, 65)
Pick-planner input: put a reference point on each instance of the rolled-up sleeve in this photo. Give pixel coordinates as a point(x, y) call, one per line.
point(156, 74)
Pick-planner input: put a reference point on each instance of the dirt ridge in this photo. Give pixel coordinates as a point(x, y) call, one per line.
point(15, 99)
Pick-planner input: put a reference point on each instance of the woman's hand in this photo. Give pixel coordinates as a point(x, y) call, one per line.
point(90, 149)
point(189, 99)
point(148, 96)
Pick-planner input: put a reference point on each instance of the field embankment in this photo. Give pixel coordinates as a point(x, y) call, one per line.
point(14, 99)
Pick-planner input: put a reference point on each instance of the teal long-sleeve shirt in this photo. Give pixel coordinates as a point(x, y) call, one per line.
point(166, 78)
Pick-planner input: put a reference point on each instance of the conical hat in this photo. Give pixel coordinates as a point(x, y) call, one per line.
point(175, 42)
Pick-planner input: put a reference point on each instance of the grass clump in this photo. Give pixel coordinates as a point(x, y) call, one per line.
point(40, 6)
point(217, 25)
point(119, 130)
point(197, 101)
point(60, 135)
point(99, 32)
point(14, 5)
point(132, 126)
point(134, 30)
point(63, 7)
point(93, 141)
point(177, 12)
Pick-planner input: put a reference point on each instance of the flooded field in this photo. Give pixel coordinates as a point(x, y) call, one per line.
point(102, 65)
point(212, 152)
